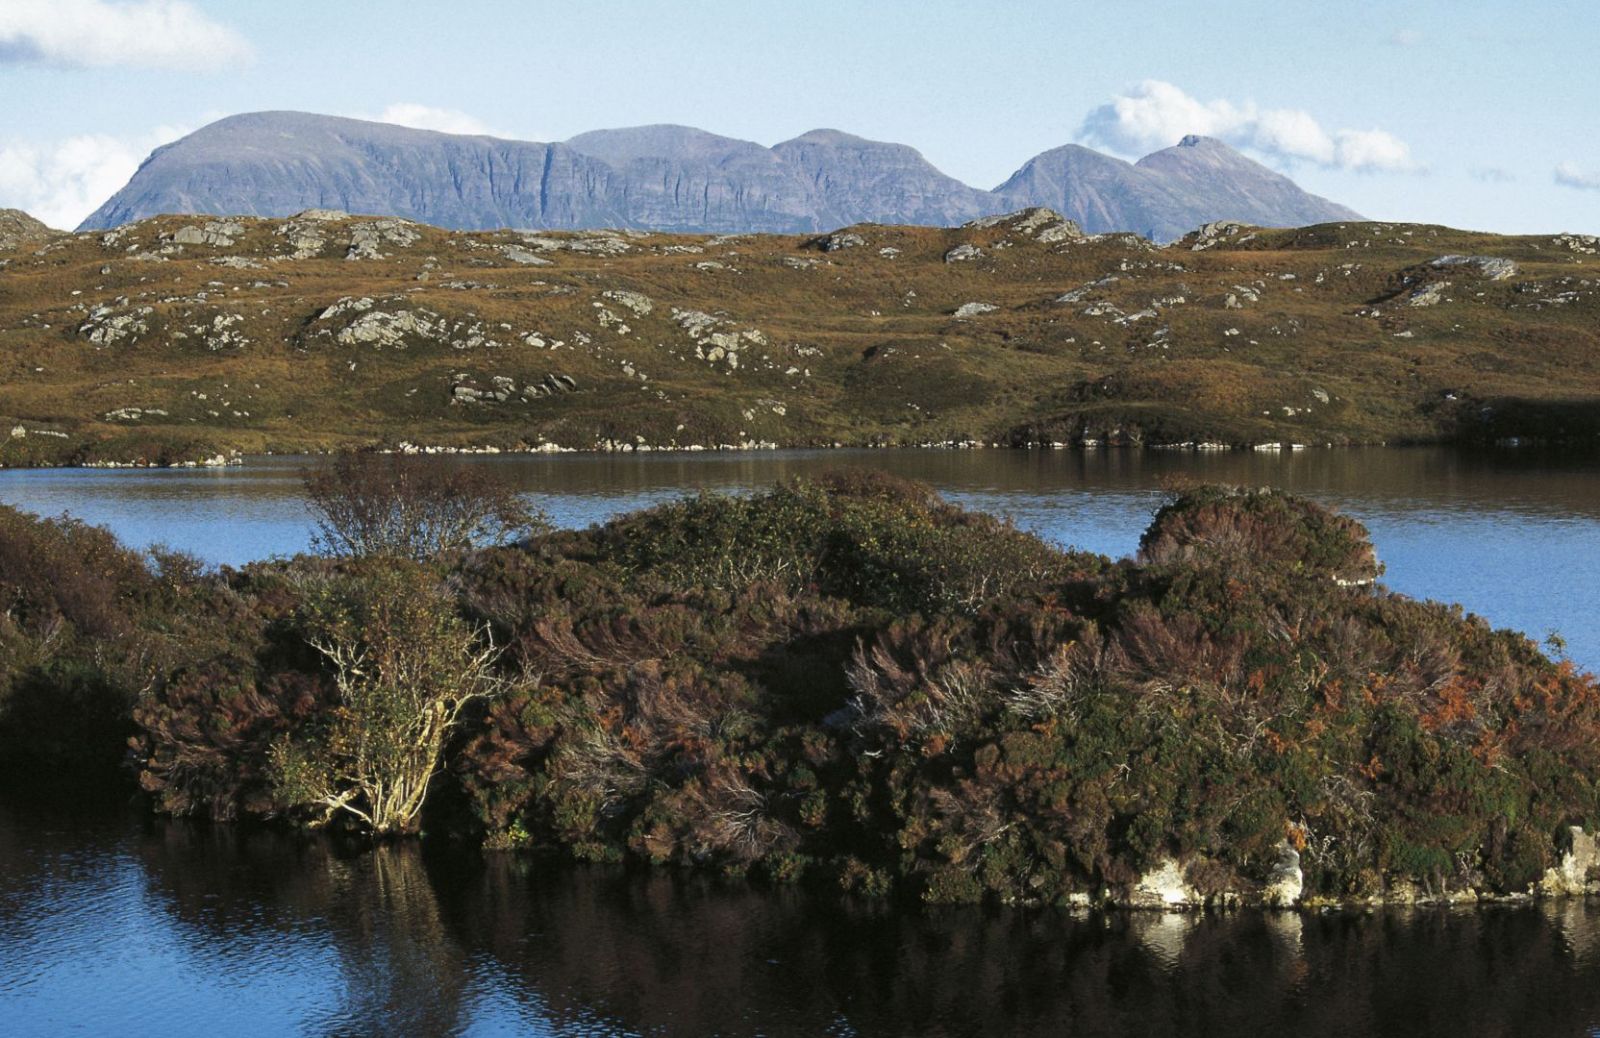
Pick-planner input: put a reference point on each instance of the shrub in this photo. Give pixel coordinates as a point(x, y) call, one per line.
point(367, 504)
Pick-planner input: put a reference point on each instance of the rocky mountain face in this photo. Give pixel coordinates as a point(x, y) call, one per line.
point(1168, 193)
point(677, 178)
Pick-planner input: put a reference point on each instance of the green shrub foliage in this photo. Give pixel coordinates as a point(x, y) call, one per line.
point(851, 680)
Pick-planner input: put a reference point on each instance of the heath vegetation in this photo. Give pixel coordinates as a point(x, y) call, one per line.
point(847, 681)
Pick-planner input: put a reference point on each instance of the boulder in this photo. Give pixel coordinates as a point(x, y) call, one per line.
point(1494, 268)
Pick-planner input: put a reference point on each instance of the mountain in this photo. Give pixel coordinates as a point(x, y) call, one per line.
point(678, 178)
point(863, 181)
point(1205, 173)
point(1167, 193)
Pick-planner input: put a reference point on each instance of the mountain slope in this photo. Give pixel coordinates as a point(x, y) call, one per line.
point(678, 178)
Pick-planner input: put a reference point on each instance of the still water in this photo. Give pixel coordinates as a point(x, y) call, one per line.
point(121, 925)
point(1512, 535)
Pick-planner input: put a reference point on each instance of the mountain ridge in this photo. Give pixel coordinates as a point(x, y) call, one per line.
point(669, 177)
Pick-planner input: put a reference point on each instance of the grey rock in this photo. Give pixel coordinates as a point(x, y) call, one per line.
point(842, 240)
point(1428, 295)
point(963, 253)
point(970, 310)
point(1492, 267)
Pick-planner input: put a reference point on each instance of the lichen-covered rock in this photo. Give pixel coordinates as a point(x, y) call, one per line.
point(1494, 268)
point(970, 310)
point(963, 253)
point(1428, 295)
point(367, 239)
point(637, 303)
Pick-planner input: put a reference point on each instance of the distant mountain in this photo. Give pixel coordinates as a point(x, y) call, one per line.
point(678, 178)
point(1167, 193)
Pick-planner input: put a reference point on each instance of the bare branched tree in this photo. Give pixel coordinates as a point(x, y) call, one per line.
point(406, 667)
point(369, 504)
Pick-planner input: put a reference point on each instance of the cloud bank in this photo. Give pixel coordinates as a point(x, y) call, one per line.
point(164, 34)
point(63, 181)
point(1156, 114)
point(1570, 174)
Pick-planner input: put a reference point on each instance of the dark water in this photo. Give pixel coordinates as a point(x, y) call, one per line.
point(1512, 535)
point(118, 925)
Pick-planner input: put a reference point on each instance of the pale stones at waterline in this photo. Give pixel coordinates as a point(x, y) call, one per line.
point(1579, 870)
point(1163, 886)
point(1286, 882)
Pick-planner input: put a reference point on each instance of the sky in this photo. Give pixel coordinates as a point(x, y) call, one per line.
point(1472, 113)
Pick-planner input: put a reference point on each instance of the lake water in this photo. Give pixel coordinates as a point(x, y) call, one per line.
point(117, 923)
point(121, 925)
point(1512, 535)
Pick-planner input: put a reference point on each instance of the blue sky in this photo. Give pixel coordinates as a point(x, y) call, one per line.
point(1467, 112)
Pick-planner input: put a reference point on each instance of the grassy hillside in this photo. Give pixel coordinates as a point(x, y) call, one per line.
point(179, 337)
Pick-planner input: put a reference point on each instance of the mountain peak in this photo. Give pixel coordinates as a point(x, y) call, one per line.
point(672, 177)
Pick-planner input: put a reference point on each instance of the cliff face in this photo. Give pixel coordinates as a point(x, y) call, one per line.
point(677, 178)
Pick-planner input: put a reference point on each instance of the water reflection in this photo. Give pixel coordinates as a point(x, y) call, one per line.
point(121, 925)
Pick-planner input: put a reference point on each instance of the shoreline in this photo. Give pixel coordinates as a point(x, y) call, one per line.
point(234, 457)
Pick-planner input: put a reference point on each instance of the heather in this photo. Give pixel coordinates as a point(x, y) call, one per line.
point(845, 681)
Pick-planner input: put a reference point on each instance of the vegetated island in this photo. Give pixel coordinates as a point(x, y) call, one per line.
point(845, 681)
point(177, 340)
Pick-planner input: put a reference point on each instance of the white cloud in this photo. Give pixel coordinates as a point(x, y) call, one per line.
point(1570, 174)
point(425, 117)
point(86, 33)
point(63, 181)
point(1156, 114)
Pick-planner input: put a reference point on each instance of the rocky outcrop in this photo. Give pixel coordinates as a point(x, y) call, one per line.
point(678, 178)
point(1492, 267)
point(17, 229)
